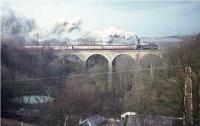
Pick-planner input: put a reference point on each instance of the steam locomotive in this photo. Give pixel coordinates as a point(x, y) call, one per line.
point(147, 46)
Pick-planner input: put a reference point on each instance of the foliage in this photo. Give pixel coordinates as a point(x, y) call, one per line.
point(155, 86)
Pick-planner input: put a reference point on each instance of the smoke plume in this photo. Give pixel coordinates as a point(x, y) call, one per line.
point(14, 27)
point(58, 31)
point(25, 30)
point(111, 33)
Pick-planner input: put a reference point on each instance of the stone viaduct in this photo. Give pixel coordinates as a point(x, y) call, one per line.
point(109, 55)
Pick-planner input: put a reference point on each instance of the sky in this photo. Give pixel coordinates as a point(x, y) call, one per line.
point(147, 19)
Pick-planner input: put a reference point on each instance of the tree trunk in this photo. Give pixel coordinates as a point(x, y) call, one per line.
point(188, 98)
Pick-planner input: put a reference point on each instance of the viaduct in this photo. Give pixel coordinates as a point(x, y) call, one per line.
point(109, 54)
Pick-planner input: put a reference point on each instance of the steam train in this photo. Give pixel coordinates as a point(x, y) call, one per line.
point(141, 46)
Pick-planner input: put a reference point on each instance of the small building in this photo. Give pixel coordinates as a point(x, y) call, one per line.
point(96, 120)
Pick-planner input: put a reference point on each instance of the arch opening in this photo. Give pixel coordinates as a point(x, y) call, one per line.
point(96, 61)
point(123, 62)
point(123, 74)
point(72, 64)
point(151, 60)
point(97, 69)
point(152, 68)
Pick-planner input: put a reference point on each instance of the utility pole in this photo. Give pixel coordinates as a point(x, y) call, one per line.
point(188, 97)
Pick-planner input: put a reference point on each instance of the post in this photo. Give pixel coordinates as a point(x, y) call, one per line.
point(151, 72)
point(188, 97)
point(110, 75)
point(84, 67)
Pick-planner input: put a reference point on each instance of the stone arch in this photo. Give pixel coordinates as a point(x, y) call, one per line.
point(150, 58)
point(72, 63)
point(123, 57)
point(88, 56)
point(96, 59)
point(72, 57)
point(97, 69)
point(123, 72)
point(152, 65)
point(158, 55)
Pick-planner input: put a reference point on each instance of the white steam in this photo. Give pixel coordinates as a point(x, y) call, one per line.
point(110, 33)
point(26, 30)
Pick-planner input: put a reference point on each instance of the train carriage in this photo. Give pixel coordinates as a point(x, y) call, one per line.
point(87, 47)
point(120, 47)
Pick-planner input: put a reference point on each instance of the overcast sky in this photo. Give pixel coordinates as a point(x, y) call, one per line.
point(144, 18)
